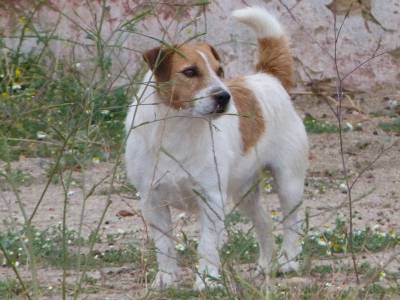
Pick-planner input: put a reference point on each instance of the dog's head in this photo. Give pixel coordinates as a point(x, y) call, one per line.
point(190, 78)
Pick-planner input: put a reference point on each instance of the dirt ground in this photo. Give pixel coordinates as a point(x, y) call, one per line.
point(376, 195)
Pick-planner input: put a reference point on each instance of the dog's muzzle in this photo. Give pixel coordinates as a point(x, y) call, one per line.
point(221, 98)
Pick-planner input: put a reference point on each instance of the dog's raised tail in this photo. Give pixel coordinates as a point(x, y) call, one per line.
point(274, 53)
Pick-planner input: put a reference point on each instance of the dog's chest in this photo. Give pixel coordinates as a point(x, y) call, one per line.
point(170, 162)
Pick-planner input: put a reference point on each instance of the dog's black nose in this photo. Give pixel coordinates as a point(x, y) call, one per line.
point(222, 98)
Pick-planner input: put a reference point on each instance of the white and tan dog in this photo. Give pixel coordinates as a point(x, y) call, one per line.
point(196, 141)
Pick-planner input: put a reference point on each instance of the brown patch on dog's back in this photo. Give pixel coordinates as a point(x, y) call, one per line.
point(251, 122)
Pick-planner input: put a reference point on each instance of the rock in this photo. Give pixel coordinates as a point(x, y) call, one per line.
point(343, 188)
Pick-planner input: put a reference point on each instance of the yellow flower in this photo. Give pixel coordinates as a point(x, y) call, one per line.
point(4, 94)
point(22, 20)
point(18, 72)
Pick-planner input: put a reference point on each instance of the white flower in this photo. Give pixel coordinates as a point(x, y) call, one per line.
point(78, 65)
point(16, 86)
point(120, 231)
point(382, 275)
point(41, 135)
point(349, 127)
point(343, 188)
point(180, 247)
point(70, 193)
point(182, 216)
point(16, 263)
point(96, 160)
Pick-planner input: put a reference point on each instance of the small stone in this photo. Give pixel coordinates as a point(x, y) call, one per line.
point(348, 127)
point(124, 213)
point(343, 188)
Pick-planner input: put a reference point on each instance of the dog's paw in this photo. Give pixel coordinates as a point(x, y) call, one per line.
point(164, 280)
point(288, 265)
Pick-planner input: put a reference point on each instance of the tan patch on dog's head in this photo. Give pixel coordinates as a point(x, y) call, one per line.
point(251, 123)
point(180, 73)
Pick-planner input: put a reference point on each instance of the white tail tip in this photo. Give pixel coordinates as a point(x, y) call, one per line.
point(261, 21)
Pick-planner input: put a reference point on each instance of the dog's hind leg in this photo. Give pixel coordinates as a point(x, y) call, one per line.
point(158, 216)
point(290, 185)
point(252, 208)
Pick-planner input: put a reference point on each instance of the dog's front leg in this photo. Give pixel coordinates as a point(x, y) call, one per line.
point(211, 239)
point(158, 216)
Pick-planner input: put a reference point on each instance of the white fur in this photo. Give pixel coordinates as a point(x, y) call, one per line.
point(260, 20)
point(205, 104)
point(170, 158)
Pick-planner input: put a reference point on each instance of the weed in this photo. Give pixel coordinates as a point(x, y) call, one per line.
point(39, 112)
point(316, 126)
point(16, 177)
point(47, 246)
point(336, 240)
point(323, 269)
point(9, 288)
point(187, 250)
point(393, 126)
point(241, 245)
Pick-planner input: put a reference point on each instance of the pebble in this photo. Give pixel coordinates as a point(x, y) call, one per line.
point(343, 188)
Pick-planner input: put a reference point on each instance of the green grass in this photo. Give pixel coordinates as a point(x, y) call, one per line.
point(393, 126)
point(47, 247)
point(315, 126)
point(336, 241)
point(9, 288)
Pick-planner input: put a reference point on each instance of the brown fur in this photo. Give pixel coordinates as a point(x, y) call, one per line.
point(175, 89)
point(275, 58)
point(251, 122)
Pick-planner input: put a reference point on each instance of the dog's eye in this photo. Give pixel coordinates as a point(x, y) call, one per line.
point(220, 72)
point(190, 72)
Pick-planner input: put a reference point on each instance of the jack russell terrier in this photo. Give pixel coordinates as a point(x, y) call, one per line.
point(196, 141)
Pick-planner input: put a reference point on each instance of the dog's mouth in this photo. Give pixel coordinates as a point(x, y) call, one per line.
point(217, 112)
point(220, 109)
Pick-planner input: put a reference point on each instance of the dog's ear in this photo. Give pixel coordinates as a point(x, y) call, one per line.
point(159, 61)
point(214, 52)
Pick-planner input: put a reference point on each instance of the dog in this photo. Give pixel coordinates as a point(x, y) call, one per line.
point(196, 141)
